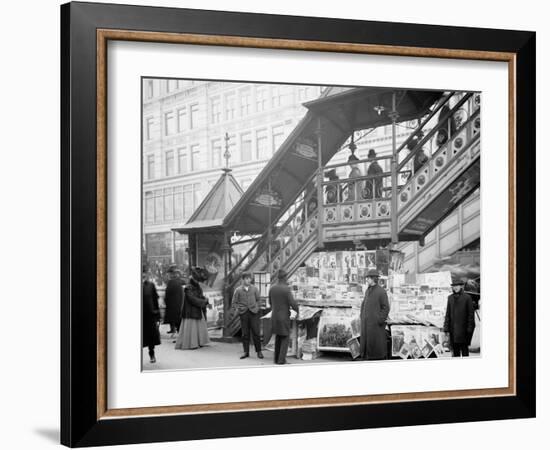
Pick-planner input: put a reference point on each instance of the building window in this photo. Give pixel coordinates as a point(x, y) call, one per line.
point(178, 203)
point(193, 116)
point(246, 100)
point(182, 117)
point(261, 144)
point(150, 167)
point(149, 207)
point(150, 89)
point(278, 137)
point(149, 128)
point(261, 98)
point(232, 146)
point(171, 85)
point(245, 182)
point(216, 110)
point(276, 96)
point(187, 201)
point(168, 204)
point(169, 163)
point(230, 106)
point(182, 161)
point(169, 123)
point(197, 195)
point(246, 147)
point(158, 206)
point(301, 93)
point(216, 153)
point(195, 157)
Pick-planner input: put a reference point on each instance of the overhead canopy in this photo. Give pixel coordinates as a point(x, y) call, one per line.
point(337, 113)
point(220, 200)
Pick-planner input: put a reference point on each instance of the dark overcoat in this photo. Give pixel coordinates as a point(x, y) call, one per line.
point(374, 313)
point(194, 304)
point(173, 300)
point(281, 300)
point(459, 318)
point(151, 315)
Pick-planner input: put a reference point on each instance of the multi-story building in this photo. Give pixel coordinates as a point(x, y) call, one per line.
point(184, 128)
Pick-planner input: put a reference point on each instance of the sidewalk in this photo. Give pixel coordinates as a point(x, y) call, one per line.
point(225, 355)
point(218, 355)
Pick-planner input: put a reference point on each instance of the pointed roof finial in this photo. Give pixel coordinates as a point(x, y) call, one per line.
point(227, 153)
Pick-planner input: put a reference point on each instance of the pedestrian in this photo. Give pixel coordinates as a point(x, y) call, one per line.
point(373, 185)
point(150, 335)
point(281, 301)
point(374, 313)
point(246, 299)
point(331, 190)
point(173, 300)
point(193, 330)
point(459, 319)
point(355, 172)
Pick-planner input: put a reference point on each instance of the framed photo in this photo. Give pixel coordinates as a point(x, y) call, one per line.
point(200, 148)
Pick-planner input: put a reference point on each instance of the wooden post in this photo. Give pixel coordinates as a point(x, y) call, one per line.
point(320, 200)
point(393, 115)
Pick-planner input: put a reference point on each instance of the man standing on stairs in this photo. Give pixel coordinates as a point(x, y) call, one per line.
point(282, 301)
point(246, 299)
point(374, 313)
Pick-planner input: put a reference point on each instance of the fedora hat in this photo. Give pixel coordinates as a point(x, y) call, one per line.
point(372, 153)
point(282, 274)
point(455, 281)
point(330, 174)
point(372, 273)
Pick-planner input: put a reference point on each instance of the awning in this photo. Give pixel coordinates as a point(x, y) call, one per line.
point(218, 202)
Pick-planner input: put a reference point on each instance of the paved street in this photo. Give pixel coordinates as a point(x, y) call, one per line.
point(217, 354)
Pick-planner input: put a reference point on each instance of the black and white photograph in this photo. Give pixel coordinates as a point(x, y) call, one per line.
point(305, 224)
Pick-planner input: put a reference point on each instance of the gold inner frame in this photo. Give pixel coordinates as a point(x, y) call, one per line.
point(104, 35)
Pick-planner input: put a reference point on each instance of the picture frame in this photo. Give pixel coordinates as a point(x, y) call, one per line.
point(86, 28)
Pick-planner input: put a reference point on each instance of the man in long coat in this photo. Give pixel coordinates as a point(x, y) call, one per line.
point(282, 301)
point(374, 313)
point(150, 335)
point(459, 319)
point(173, 300)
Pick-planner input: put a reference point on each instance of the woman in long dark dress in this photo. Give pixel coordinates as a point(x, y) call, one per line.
point(151, 317)
point(193, 330)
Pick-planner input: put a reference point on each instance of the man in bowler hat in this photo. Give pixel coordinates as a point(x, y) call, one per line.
point(246, 299)
point(282, 301)
point(374, 313)
point(459, 319)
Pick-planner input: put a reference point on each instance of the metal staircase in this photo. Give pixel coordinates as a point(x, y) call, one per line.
point(363, 209)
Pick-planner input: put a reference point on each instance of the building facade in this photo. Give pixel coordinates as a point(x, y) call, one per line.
point(185, 124)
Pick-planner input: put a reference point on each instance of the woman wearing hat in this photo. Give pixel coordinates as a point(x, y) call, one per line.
point(374, 313)
point(193, 331)
point(354, 173)
point(459, 319)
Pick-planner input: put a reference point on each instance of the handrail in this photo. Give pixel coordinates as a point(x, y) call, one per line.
point(434, 130)
point(332, 166)
point(264, 234)
point(425, 122)
point(297, 231)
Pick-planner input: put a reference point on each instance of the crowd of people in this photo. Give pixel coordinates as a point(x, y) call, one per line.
point(186, 315)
